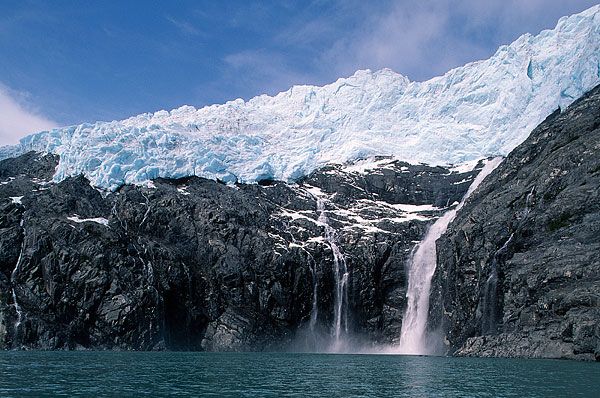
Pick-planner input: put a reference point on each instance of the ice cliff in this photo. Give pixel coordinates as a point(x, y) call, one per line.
point(481, 109)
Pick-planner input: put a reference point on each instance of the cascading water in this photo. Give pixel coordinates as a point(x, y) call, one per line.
point(489, 317)
point(528, 202)
point(13, 277)
point(340, 269)
point(312, 337)
point(314, 311)
point(17, 310)
point(413, 336)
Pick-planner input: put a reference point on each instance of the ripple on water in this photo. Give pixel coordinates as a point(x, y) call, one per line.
point(291, 375)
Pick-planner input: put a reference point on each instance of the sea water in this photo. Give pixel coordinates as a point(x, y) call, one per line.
point(186, 374)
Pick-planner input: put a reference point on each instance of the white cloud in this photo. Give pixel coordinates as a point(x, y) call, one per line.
point(425, 38)
point(418, 38)
point(17, 118)
point(400, 38)
point(421, 39)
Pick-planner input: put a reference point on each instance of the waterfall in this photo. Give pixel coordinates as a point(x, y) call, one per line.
point(340, 270)
point(13, 277)
point(489, 304)
point(413, 336)
point(489, 317)
point(314, 311)
point(311, 337)
point(528, 201)
point(18, 311)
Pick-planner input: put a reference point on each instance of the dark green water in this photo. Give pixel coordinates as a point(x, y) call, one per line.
point(299, 375)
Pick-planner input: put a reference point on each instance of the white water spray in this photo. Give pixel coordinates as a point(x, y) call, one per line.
point(340, 309)
point(413, 338)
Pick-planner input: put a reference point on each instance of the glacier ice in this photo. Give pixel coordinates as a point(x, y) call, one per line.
point(481, 109)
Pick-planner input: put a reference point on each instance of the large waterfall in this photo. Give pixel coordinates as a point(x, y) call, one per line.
point(413, 337)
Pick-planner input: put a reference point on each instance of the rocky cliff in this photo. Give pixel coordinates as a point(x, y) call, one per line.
point(199, 265)
point(519, 269)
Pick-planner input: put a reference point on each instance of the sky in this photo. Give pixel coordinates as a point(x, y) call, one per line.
point(67, 62)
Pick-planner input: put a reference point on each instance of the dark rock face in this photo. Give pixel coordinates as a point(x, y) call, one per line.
point(197, 265)
point(194, 264)
point(519, 269)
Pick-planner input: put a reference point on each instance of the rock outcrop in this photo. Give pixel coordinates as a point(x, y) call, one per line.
point(195, 264)
point(519, 269)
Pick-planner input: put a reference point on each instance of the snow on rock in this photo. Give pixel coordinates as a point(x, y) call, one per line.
point(362, 166)
point(183, 191)
point(483, 108)
point(98, 220)
point(369, 216)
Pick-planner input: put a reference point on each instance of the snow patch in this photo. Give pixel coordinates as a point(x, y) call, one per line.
point(98, 220)
point(298, 215)
point(317, 239)
point(364, 165)
point(415, 208)
point(465, 167)
point(315, 192)
point(463, 181)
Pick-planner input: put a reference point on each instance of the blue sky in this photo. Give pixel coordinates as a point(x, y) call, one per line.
point(65, 62)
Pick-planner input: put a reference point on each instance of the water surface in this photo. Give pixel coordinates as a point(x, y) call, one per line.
point(121, 374)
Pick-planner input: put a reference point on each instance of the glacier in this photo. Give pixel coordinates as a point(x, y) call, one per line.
point(485, 108)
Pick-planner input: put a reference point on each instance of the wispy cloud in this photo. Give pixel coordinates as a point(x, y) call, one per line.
point(400, 37)
point(269, 72)
point(184, 27)
point(18, 118)
point(424, 38)
point(418, 38)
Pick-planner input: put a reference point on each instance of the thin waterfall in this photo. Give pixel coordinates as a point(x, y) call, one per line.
point(311, 337)
point(314, 311)
point(340, 270)
point(18, 311)
point(489, 318)
point(413, 338)
point(13, 277)
point(489, 304)
point(528, 201)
